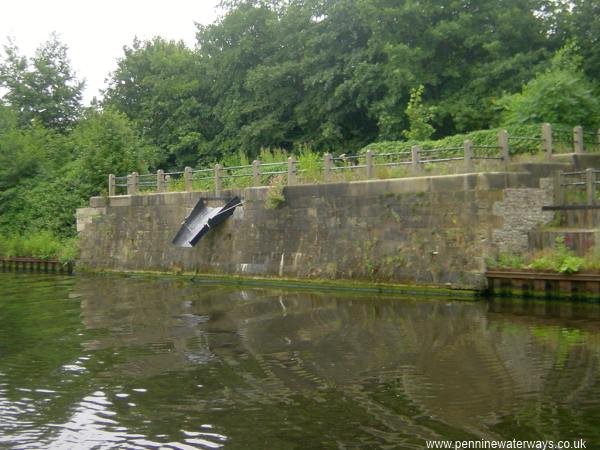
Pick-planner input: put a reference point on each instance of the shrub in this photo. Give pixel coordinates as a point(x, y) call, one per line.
point(275, 196)
point(561, 259)
point(69, 251)
point(311, 164)
point(41, 245)
point(480, 137)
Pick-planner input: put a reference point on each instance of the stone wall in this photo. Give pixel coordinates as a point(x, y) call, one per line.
point(427, 230)
point(521, 210)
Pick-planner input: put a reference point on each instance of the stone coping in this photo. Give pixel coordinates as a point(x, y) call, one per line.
point(437, 183)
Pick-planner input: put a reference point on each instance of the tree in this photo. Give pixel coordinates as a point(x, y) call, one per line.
point(334, 74)
point(583, 26)
point(562, 94)
point(42, 89)
point(158, 84)
point(419, 117)
point(107, 142)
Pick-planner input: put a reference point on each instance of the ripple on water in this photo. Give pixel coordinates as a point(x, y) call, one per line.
point(130, 363)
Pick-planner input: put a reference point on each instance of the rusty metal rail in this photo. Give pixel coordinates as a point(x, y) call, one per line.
point(524, 282)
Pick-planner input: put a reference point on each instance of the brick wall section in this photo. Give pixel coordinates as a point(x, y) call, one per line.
point(427, 230)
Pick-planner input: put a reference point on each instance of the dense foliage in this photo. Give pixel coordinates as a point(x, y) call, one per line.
point(329, 75)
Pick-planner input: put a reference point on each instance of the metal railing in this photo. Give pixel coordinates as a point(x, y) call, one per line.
point(348, 167)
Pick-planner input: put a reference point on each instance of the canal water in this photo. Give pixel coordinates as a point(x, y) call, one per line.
point(114, 362)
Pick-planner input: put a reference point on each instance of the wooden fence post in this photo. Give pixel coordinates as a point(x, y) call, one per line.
point(559, 194)
point(578, 139)
point(291, 171)
point(468, 154)
point(188, 179)
point(256, 172)
point(327, 165)
point(504, 147)
point(590, 185)
point(160, 181)
point(369, 164)
point(218, 180)
point(112, 185)
point(547, 140)
point(416, 159)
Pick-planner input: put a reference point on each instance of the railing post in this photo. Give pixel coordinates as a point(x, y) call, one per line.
point(503, 144)
point(160, 180)
point(547, 140)
point(578, 139)
point(218, 180)
point(559, 194)
point(416, 159)
point(369, 164)
point(132, 183)
point(468, 151)
point(112, 185)
point(136, 182)
point(590, 185)
point(256, 172)
point(188, 179)
point(328, 164)
point(291, 171)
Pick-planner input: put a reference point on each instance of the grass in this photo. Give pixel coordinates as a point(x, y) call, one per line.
point(41, 245)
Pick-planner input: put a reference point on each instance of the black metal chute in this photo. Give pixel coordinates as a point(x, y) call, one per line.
point(201, 220)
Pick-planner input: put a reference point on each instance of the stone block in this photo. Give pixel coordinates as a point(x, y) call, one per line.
point(522, 179)
point(407, 185)
point(85, 217)
point(98, 202)
point(492, 181)
point(255, 194)
point(447, 183)
point(174, 198)
point(123, 201)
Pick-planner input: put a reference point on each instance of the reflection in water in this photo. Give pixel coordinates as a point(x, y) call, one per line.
point(100, 362)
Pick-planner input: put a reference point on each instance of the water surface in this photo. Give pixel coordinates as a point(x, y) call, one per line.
point(115, 362)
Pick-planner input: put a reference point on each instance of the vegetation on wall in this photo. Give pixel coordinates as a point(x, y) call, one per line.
point(291, 75)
